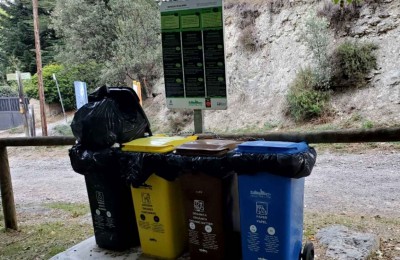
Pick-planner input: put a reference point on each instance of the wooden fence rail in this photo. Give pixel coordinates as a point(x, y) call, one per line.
point(341, 136)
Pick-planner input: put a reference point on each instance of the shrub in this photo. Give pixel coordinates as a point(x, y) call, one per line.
point(304, 102)
point(275, 6)
point(316, 36)
point(352, 61)
point(307, 105)
point(50, 88)
point(248, 17)
point(8, 91)
point(305, 79)
point(65, 78)
point(249, 39)
point(341, 18)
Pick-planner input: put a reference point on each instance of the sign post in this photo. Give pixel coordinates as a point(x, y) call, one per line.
point(137, 87)
point(59, 95)
point(194, 55)
point(23, 109)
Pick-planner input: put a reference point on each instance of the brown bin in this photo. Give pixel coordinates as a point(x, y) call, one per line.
point(211, 201)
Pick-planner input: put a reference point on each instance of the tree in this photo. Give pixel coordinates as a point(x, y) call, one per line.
point(17, 37)
point(137, 50)
point(121, 36)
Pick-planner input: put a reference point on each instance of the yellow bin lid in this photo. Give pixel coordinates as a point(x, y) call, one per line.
point(156, 144)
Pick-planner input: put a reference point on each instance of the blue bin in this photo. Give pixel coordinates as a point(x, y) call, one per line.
point(271, 207)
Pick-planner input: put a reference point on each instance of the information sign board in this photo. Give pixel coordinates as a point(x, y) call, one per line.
point(194, 54)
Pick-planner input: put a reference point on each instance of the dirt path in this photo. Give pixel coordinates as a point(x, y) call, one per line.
point(355, 183)
point(340, 183)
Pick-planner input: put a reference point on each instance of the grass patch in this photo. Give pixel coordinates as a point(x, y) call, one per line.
point(63, 130)
point(313, 222)
point(42, 241)
point(270, 126)
point(367, 124)
point(17, 130)
point(245, 129)
point(356, 147)
point(75, 210)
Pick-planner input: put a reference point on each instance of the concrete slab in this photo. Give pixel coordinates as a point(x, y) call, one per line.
point(89, 250)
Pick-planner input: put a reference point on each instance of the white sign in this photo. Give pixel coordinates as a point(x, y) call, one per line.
point(13, 76)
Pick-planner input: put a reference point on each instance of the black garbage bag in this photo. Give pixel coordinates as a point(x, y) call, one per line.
point(211, 165)
point(137, 167)
point(132, 168)
point(113, 115)
point(98, 125)
point(288, 165)
point(86, 162)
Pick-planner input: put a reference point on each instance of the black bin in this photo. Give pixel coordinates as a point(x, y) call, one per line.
point(109, 195)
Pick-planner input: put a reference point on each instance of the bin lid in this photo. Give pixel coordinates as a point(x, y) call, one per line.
point(156, 144)
point(272, 147)
point(207, 147)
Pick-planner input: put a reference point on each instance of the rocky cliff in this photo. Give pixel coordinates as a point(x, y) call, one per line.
point(260, 73)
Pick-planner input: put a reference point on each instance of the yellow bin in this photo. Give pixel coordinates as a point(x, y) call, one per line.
point(158, 204)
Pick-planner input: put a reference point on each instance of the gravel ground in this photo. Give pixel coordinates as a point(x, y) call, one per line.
point(363, 184)
point(355, 183)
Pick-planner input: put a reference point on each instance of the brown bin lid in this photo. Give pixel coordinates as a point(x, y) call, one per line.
point(207, 147)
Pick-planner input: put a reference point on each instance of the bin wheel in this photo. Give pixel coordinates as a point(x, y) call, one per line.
point(308, 251)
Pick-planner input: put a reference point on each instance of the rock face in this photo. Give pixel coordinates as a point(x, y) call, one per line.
point(259, 80)
point(344, 244)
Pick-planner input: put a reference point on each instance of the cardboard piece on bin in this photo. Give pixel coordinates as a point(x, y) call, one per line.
point(156, 144)
point(207, 147)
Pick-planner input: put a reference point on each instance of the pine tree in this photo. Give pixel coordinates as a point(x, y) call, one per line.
point(121, 36)
point(17, 36)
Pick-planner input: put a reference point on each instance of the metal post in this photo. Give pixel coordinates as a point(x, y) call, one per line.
point(22, 105)
point(32, 124)
point(198, 121)
point(59, 95)
point(7, 194)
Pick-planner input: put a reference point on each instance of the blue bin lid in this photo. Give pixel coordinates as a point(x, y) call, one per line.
point(272, 147)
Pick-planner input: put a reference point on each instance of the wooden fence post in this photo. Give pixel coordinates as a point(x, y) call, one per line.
point(7, 194)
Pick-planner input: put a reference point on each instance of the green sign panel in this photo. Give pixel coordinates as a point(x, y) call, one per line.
point(194, 54)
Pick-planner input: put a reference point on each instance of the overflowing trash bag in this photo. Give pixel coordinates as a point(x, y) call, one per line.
point(86, 162)
point(113, 115)
point(213, 165)
point(291, 165)
point(136, 168)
